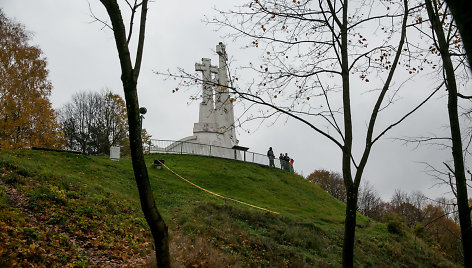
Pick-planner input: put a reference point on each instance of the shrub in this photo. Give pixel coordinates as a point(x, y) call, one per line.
point(395, 223)
point(419, 230)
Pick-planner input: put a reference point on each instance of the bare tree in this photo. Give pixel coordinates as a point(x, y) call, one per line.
point(437, 14)
point(419, 201)
point(312, 52)
point(308, 46)
point(92, 122)
point(370, 203)
point(404, 204)
point(129, 78)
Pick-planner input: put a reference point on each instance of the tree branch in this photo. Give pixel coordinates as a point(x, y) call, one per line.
point(139, 52)
point(409, 113)
point(463, 96)
point(370, 130)
point(105, 24)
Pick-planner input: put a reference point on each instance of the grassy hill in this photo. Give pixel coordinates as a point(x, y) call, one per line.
point(68, 209)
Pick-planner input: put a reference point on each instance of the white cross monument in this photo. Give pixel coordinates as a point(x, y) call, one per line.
point(216, 116)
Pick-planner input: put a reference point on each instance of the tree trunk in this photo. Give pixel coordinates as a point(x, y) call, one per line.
point(351, 191)
point(459, 169)
point(129, 78)
point(154, 219)
point(349, 227)
point(461, 11)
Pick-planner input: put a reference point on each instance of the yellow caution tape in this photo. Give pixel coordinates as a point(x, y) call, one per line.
point(215, 194)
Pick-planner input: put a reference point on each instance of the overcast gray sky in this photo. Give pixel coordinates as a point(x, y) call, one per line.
point(82, 57)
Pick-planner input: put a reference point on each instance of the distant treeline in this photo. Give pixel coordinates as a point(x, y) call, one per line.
point(435, 221)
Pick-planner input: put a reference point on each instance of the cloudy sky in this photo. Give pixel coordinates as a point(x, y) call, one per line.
point(82, 57)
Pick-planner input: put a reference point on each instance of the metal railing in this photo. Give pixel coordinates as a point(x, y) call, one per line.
point(186, 147)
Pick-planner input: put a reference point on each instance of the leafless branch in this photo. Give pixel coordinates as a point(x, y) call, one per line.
point(133, 8)
point(142, 26)
point(408, 114)
point(463, 96)
point(96, 19)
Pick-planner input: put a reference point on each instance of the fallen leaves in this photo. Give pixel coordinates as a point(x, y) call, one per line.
point(49, 229)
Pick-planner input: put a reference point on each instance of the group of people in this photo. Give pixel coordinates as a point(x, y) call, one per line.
point(286, 163)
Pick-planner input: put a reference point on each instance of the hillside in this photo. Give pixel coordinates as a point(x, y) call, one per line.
point(63, 208)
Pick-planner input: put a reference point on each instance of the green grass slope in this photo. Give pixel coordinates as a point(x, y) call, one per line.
point(66, 209)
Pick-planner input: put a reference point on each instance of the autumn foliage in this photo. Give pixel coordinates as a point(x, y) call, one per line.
point(331, 182)
point(434, 221)
point(26, 116)
point(49, 226)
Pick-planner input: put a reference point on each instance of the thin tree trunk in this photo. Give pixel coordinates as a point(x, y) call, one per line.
point(459, 169)
point(129, 78)
point(154, 219)
point(461, 11)
point(351, 192)
point(350, 227)
point(352, 186)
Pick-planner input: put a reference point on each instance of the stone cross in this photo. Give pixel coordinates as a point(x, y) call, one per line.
point(216, 117)
point(207, 69)
point(222, 78)
point(223, 99)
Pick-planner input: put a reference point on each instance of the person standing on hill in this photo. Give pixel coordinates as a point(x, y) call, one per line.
point(281, 160)
point(286, 162)
point(291, 165)
point(271, 156)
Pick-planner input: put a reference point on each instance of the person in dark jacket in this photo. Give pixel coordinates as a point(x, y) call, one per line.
point(281, 160)
point(271, 156)
point(286, 162)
